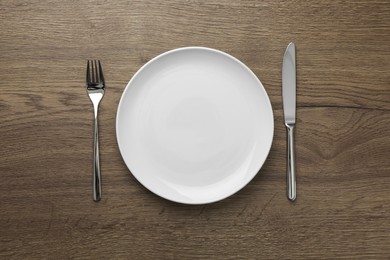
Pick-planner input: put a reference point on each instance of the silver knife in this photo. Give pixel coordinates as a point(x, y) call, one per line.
point(289, 108)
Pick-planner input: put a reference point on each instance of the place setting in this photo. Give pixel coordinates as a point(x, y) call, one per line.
point(195, 130)
point(195, 125)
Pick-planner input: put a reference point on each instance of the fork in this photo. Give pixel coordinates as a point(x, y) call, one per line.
point(95, 90)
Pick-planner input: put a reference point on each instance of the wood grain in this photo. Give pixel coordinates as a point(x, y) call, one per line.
point(343, 141)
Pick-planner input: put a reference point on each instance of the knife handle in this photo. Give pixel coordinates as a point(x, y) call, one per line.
point(291, 178)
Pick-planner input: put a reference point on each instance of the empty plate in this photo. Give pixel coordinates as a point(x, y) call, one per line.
point(194, 125)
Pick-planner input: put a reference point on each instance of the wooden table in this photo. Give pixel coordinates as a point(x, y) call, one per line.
point(342, 135)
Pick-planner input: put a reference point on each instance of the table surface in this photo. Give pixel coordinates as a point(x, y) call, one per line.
point(342, 134)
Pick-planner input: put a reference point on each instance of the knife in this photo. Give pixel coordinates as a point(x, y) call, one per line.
point(289, 109)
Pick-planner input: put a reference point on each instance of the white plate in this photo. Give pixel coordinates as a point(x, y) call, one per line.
point(194, 125)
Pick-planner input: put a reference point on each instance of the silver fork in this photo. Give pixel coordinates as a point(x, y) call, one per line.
point(95, 90)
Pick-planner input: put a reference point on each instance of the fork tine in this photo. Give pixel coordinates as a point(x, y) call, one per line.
point(93, 72)
point(88, 73)
point(101, 72)
point(96, 72)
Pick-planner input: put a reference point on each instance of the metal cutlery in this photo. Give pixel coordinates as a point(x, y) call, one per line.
point(95, 90)
point(289, 108)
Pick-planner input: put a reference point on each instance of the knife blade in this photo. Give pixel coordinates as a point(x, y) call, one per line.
point(289, 110)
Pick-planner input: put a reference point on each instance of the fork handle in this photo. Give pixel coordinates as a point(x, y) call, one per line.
point(97, 187)
point(291, 177)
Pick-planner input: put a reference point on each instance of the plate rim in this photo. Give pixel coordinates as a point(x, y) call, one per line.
point(161, 55)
